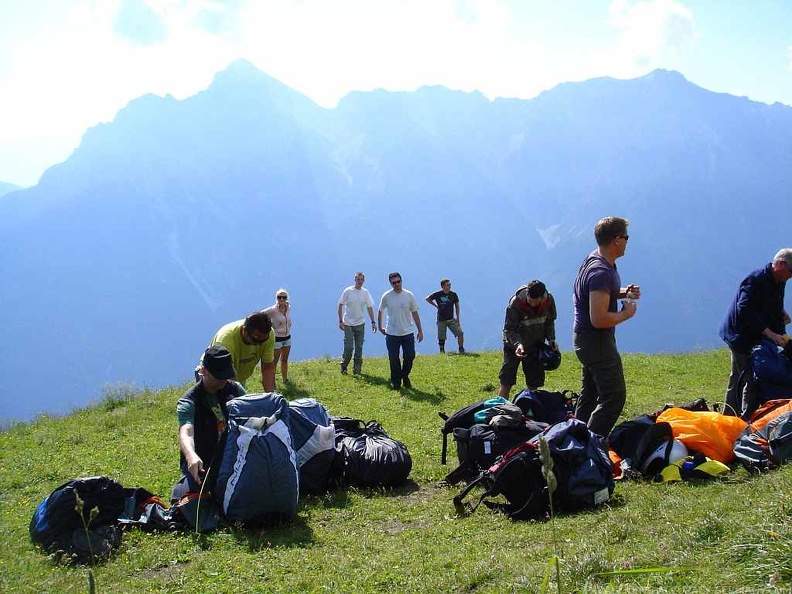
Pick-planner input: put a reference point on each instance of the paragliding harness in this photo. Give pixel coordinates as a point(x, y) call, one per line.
point(581, 467)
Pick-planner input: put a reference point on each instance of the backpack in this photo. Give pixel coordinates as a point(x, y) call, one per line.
point(258, 481)
point(768, 447)
point(313, 439)
point(371, 457)
point(547, 407)
point(464, 417)
point(580, 463)
point(772, 371)
point(479, 446)
point(87, 537)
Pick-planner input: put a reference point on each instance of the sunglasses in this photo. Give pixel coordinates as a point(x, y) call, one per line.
point(283, 296)
point(256, 340)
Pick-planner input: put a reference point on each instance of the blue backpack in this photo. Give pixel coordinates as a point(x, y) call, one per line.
point(258, 481)
point(547, 407)
point(581, 465)
point(772, 371)
point(313, 439)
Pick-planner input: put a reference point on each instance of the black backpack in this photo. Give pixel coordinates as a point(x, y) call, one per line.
point(462, 418)
point(547, 407)
point(581, 466)
point(371, 457)
point(58, 527)
point(479, 446)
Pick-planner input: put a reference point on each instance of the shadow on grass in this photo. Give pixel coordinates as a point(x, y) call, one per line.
point(406, 488)
point(409, 393)
point(292, 391)
point(465, 354)
point(266, 535)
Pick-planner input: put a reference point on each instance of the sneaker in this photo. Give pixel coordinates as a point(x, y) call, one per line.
point(343, 371)
point(461, 350)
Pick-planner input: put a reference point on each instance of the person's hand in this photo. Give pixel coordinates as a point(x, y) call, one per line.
point(629, 308)
point(420, 335)
point(342, 326)
point(196, 469)
point(633, 292)
point(382, 331)
point(778, 339)
point(519, 352)
point(373, 326)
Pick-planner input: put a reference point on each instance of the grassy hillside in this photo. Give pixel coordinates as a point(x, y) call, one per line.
point(729, 535)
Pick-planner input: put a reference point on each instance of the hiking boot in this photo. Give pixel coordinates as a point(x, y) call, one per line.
point(407, 382)
point(461, 350)
point(395, 386)
point(356, 372)
point(343, 371)
point(442, 350)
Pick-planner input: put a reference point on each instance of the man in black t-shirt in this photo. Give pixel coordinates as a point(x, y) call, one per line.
point(447, 304)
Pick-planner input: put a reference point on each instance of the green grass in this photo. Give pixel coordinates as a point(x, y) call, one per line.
point(727, 535)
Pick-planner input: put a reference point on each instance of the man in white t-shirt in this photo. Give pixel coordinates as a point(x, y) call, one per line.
point(402, 308)
point(352, 307)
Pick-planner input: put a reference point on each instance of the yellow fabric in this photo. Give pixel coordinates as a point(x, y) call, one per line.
point(244, 356)
point(673, 473)
point(710, 433)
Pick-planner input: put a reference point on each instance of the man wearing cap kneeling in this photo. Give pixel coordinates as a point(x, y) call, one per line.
point(202, 418)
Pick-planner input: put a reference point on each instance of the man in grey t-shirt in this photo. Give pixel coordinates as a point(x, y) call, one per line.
point(402, 311)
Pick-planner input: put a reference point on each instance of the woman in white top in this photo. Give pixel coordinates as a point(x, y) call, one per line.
point(281, 324)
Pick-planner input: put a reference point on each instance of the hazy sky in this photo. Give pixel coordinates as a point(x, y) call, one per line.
point(66, 65)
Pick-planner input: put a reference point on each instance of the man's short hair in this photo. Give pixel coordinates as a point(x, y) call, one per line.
point(258, 320)
point(784, 255)
point(393, 275)
point(536, 289)
point(444, 281)
point(608, 229)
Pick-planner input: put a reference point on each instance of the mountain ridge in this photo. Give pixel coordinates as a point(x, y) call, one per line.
point(182, 215)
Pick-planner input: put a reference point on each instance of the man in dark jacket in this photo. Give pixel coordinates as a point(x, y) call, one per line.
point(757, 311)
point(530, 321)
point(202, 417)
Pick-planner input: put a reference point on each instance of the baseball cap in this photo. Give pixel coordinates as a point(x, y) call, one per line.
point(217, 361)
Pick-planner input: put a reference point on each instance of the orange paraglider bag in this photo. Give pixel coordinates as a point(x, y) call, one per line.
point(711, 433)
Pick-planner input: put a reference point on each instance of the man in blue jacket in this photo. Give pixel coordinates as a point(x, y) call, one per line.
point(756, 311)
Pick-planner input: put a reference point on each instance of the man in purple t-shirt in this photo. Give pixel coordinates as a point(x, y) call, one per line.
point(596, 302)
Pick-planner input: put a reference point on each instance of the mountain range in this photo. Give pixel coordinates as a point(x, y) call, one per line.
point(182, 215)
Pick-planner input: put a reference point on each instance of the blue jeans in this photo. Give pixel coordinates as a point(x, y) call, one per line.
point(604, 392)
point(400, 371)
point(353, 338)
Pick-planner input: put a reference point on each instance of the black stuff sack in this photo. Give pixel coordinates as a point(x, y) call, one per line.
point(78, 521)
point(371, 457)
